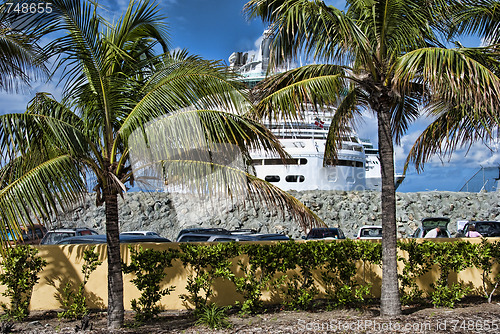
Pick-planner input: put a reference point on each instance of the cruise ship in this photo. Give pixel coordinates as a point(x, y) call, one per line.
point(357, 166)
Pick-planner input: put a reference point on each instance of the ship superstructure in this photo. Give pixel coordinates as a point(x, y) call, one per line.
point(357, 166)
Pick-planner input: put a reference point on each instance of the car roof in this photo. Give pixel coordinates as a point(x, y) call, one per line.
point(209, 235)
point(370, 226)
point(247, 236)
point(70, 229)
point(325, 228)
point(131, 232)
point(101, 238)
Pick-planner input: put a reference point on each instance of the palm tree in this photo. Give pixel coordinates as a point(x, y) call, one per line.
point(382, 56)
point(114, 86)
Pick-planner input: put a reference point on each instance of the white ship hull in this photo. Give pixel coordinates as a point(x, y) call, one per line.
point(305, 171)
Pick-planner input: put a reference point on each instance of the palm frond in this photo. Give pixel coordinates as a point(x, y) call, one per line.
point(190, 175)
point(21, 57)
point(481, 17)
point(196, 131)
point(454, 127)
point(284, 95)
point(343, 121)
point(311, 27)
point(450, 75)
point(41, 192)
point(184, 83)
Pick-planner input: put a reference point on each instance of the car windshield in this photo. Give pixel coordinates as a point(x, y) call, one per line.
point(487, 227)
point(53, 237)
point(326, 233)
point(194, 238)
point(371, 232)
point(86, 232)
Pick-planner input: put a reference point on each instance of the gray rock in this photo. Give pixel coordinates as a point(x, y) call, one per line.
point(167, 214)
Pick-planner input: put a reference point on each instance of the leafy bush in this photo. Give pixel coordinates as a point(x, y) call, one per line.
point(20, 274)
point(149, 267)
point(339, 270)
point(448, 257)
point(264, 261)
point(300, 290)
point(208, 263)
point(417, 263)
point(73, 302)
point(488, 255)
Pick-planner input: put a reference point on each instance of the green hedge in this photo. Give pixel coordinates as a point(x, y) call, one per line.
point(294, 271)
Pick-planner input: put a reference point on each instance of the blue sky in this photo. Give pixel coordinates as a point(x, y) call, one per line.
point(216, 28)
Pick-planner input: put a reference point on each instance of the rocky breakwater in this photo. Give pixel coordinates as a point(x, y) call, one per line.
point(167, 214)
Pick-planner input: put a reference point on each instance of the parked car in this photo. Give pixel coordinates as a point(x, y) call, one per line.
point(427, 224)
point(139, 233)
point(203, 230)
point(485, 228)
point(370, 232)
point(30, 235)
point(54, 236)
point(213, 237)
point(221, 235)
point(270, 236)
point(102, 239)
point(324, 233)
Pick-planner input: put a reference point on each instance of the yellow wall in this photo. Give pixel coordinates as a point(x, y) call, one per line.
point(65, 262)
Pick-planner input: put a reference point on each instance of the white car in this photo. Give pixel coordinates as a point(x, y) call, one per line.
point(370, 232)
point(140, 233)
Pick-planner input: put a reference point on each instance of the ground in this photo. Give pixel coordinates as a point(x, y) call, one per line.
point(468, 317)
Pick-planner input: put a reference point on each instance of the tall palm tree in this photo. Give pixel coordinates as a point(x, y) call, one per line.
point(114, 86)
point(382, 56)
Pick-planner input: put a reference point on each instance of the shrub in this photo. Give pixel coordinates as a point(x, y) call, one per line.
point(264, 261)
point(208, 263)
point(488, 255)
point(418, 263)
point(20, 274)
point(339, 270)
point(73, 302)
point(149, 267)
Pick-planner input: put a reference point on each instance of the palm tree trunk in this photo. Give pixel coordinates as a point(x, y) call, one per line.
point(390, 304)
point(115, 279)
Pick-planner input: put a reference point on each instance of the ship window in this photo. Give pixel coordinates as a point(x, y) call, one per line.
point(272, 178)
point(257, 162)
point(350, 163)
point(281, 161)
point(295, 178)
point(302, 161)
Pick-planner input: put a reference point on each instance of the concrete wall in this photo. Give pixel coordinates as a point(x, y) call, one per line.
point(65, 262)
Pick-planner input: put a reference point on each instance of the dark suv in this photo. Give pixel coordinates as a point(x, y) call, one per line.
point(485, 228)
